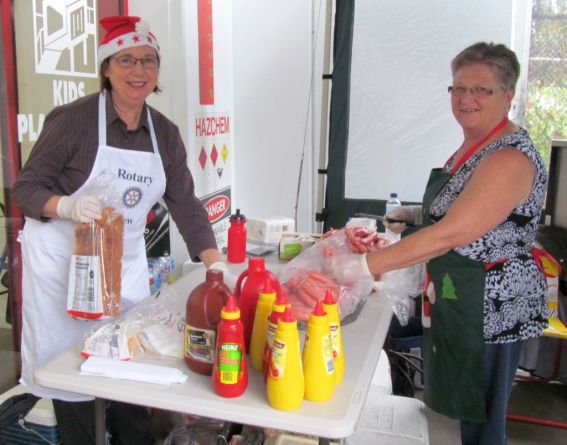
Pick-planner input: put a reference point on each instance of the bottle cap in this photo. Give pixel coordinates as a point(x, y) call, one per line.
point(256, 263)
point(288, 315)
point(329, 298)
point(214, 274)
point(237, 216)
point(318, 310)
point(281, 298)
point(268, 286)
point(230, 311)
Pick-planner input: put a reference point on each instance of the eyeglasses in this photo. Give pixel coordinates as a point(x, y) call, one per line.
point(148, 62)
point(475, 91)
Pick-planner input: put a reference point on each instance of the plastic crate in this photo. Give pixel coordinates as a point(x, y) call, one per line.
point(39, 426)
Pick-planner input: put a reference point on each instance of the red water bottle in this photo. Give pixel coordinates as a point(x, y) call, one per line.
point(230, 372)
point(236, 250)
point(247, 290)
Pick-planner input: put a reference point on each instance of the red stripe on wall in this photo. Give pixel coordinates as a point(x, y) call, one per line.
point(11, 165)
point(206, 59)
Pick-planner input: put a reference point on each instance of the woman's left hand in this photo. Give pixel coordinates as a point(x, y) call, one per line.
point(347, 269)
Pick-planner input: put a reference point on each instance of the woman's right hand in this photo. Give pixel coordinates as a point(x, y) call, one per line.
point(81, 209)
point(402, 213)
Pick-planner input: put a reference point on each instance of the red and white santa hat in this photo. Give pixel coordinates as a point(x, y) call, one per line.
point(124, 32)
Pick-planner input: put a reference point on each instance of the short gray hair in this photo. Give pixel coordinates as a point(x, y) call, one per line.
point(501, 59)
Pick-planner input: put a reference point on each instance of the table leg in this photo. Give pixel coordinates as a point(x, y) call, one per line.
point(323, 441)
point(100, 421)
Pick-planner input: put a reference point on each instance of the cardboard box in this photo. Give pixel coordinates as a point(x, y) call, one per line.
point(390, 419)
point(268, 230)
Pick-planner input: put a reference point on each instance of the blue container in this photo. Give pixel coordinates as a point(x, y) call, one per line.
point(38, 427)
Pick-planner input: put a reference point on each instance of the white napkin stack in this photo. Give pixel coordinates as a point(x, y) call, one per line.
point(127, 370)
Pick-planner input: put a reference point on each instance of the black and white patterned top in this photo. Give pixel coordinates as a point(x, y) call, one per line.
point(515, 306)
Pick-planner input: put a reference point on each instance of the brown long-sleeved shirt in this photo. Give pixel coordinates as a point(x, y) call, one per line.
point(64, 154)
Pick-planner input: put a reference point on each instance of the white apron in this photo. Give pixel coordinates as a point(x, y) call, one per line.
point(47, 248)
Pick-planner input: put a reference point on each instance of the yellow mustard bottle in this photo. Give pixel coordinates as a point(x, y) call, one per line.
point(278, 309)
point(266, 299)
point(332, 310)
point(318, 362)
point(286, 385)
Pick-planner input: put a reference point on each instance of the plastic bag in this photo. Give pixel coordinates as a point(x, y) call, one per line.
point(305, 279)
point(200, 430)
point(162, 272)
point(94, 289)
point(154, 326)
point(401, 286)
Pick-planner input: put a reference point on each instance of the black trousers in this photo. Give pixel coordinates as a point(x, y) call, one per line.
point(129, 424)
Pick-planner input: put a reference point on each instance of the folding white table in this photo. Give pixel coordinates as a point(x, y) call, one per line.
point(363, 340)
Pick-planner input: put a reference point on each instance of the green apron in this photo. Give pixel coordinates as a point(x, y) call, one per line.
point(453, 346)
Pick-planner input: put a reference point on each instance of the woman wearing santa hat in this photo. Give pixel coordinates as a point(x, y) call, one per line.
point(111, 131)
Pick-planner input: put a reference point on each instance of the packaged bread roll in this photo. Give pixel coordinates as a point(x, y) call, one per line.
point(96, 267)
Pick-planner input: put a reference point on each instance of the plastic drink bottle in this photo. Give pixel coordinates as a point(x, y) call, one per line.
point(236, 249)
point(203, 310)
point(278, 309)
point(332, 310)
point(247, 289)
point(266, 299)
point(318, 362)
point(230, 373)
point(393, 202)
point(286, 385)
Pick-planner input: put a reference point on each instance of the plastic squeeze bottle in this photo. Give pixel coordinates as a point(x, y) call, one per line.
point(266, 299)
point(230, 373)
point(203, 310)
point(278, 309)
point(236, 249)
point(247, 290)
point(286, 384)
point(318, 363)
point(332, 310)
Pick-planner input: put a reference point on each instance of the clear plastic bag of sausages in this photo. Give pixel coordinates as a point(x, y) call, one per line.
point(307, 278)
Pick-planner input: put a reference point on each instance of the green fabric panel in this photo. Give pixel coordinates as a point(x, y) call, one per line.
point(339, 114)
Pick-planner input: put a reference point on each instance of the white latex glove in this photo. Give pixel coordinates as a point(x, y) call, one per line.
point(410, 214)
point(81, 209)
point(348, 269)
point(228, 278)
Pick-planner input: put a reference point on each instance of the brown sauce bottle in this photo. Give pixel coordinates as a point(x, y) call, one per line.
point(203, 313)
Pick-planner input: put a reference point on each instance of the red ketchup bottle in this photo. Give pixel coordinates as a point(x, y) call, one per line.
point(230, 372)
point(203, 312)
point(236, 250)
point(247, 290)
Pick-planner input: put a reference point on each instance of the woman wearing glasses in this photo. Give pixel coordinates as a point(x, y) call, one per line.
point(480, 214)
point(113, 131)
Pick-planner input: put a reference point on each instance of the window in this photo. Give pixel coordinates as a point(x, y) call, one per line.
point(546, 108)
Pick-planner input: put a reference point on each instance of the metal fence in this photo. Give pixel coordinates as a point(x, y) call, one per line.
point(546, 108)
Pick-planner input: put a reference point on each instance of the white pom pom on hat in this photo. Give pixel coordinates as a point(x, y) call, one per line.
point(124, 32)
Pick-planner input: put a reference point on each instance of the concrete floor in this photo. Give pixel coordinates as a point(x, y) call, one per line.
point(528, 398)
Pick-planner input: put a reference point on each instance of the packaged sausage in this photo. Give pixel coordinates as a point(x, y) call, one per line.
point(95, 274)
